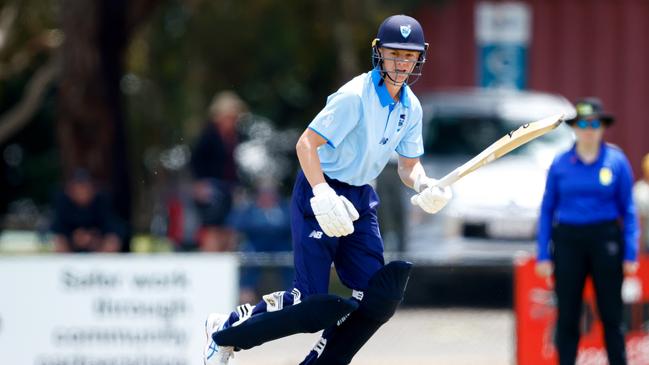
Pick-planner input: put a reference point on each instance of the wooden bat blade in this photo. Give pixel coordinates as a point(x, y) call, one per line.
point(503, 146)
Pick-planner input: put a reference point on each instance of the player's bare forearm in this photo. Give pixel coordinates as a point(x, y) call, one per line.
point(409, 169)
point(307, 153)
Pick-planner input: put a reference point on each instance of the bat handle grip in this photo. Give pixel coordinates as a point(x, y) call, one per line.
point(447, 180)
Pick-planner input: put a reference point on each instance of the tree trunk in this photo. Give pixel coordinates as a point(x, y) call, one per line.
point(341, 18)
point(91, 125)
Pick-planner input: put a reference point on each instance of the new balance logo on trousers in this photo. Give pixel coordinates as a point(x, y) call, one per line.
point(315, 234)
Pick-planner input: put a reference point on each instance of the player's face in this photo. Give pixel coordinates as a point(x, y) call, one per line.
point(399, 63)
point(81, 193)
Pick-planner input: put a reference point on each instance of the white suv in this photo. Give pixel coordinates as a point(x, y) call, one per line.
point(494, 211)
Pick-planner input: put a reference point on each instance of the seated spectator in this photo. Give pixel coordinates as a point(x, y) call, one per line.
point(265, 224)
point(83, 218)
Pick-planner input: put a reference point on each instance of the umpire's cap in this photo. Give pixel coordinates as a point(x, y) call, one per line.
point(401, 32)
point(591, 107)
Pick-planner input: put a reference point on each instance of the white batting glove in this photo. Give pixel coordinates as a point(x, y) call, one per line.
point(422, 182)
point(431, 198)
point(335, 213)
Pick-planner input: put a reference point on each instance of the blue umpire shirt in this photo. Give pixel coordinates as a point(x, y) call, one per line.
point(577, 193)
point(363, 125)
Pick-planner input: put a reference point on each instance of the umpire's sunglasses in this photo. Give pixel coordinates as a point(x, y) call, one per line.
point(594, 123)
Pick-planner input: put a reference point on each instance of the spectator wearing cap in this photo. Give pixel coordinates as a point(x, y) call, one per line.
point(641, 200)
point(588, 226)
point(84, 220)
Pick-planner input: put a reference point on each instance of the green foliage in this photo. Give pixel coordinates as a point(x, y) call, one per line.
point(26, 35)
point(281, 57)
point(29, 165)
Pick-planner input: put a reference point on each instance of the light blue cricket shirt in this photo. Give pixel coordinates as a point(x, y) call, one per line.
point(363, 125)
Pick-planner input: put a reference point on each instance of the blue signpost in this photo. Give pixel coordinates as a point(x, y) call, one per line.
point(502, 37)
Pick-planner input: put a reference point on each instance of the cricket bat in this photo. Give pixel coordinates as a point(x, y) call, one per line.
point(501, 147)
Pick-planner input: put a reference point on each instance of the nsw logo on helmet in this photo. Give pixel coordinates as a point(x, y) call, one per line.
point(405, 30)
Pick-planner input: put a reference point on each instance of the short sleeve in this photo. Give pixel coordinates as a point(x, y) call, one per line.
point(339, 117)
point(412, 144)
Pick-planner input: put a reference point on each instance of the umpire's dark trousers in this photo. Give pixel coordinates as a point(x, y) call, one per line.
point(579, 251)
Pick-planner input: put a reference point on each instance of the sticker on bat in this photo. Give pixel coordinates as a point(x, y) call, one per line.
point(523, 126)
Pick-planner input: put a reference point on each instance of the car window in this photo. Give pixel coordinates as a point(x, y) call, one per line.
point(469, 135)
point(461, 135)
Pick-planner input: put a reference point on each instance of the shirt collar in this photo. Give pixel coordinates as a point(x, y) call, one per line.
point(575, 157)
point(382, 91)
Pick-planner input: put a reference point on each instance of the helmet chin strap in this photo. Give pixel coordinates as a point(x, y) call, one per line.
point(388, 79)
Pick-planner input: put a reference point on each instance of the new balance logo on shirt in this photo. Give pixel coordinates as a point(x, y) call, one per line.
point(316, 234)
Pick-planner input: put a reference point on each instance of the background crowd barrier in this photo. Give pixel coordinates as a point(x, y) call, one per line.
point(535, 310)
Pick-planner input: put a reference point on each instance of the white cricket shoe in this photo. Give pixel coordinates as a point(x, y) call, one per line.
point(214, 354)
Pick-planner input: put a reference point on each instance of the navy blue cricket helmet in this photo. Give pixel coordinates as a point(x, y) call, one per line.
point(400, 32)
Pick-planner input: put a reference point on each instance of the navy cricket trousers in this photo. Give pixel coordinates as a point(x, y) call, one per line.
point(356, 257)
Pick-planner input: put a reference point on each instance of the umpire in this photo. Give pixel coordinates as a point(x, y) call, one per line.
point(588, 226)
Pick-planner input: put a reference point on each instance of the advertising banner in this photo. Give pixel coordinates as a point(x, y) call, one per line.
point(111, 309)
point(535, 307)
